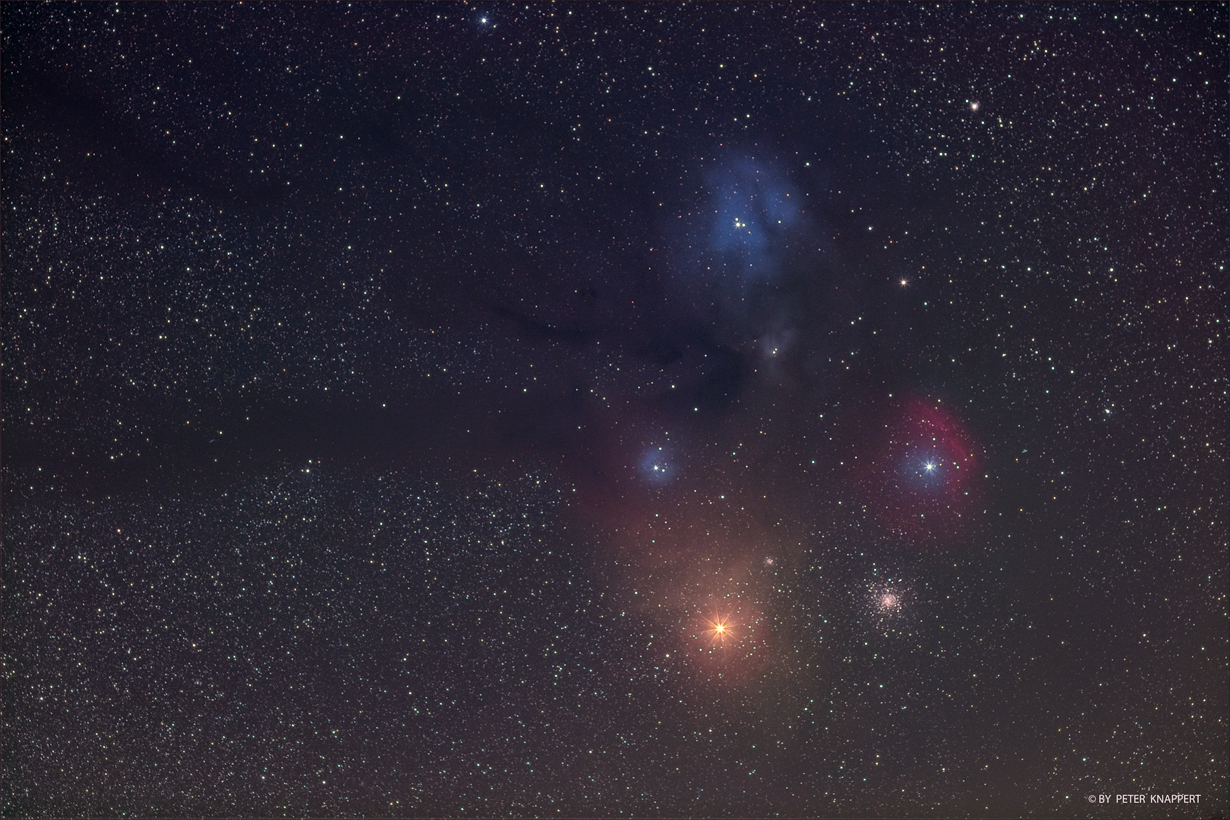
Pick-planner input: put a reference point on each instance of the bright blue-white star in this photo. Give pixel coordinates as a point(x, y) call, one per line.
point(657, 465)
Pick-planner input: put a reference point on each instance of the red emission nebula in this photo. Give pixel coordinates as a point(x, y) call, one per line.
point(922, 480)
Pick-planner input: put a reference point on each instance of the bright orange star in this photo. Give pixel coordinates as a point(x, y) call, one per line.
point(720, 630)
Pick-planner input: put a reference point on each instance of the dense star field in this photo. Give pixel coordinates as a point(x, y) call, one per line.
point(664, 410)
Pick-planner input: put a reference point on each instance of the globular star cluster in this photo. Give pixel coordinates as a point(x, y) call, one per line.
point(891, 604)
point(454, 410)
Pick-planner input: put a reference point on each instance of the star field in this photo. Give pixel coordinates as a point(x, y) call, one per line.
point(596, 410)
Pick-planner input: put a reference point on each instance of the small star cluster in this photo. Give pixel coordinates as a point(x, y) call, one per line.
point(771, 409)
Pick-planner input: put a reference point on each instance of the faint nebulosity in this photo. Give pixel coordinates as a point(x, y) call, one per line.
point(659, 410)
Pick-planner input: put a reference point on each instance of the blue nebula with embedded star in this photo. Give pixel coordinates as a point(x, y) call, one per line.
point(754, 209)
point(657, 465)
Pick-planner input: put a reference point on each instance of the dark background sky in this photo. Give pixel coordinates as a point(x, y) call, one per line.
point(398, 398)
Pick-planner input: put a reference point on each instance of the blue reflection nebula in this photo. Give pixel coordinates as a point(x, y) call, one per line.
point(657, 466)
point(754, 207)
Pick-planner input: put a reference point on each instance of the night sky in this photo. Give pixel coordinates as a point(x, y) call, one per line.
point(661, 410)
